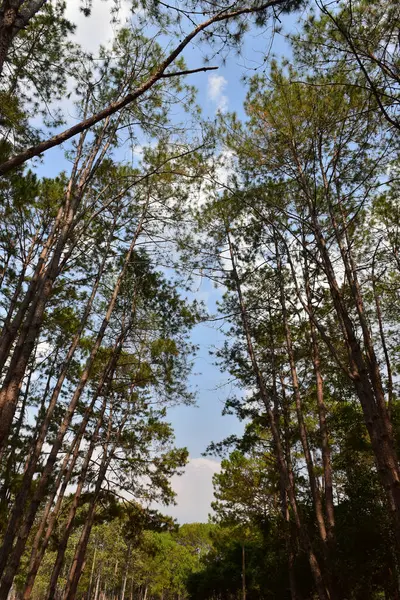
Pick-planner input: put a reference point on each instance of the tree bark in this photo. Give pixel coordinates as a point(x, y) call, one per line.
point(316, 571)
point(243, 573)
point(366, 380)
point(35, 454)
point(68, 525)
point(384, 348)
point(128, 557)
point(325, 446)
point(96, 594)
point(14, 15)
point(377, 423)
point(13, 558)
point(76, 569)
point(299, 410)
point(289, 537)
point(34, 318)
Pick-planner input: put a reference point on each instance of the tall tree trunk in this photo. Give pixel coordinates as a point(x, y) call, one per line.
point(10, 459)
point(41, 539)
point(318, 577)
point(92, 574)
point(315, 492)
point(68, 525)
point(300, 416)
point(76, 569)
point(13, 559)
point(46, 527)
point(42, 487)
point(384, 347)
point(365, 373)
point(289, 537)
point(13, 323)
point(128, 558)
point(46, 279)
point(325, 446)
point(379, 428)
point(96, 593)
point(10, 331)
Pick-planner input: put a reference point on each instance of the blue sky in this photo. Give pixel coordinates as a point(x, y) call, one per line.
point(195, 427)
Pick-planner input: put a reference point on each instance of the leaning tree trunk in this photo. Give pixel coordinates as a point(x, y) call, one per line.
point(42, 539)
point(292, 534)
point(304, 438)
point(299, 410)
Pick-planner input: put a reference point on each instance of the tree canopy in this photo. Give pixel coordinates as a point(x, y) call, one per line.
point(291, 210)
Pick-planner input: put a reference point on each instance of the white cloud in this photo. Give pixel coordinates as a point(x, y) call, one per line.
point(215, 92)
point(98, 27)
point(194, 491)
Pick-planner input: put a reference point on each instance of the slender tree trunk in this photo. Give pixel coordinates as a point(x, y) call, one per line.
point(319, 513)
point(379, 429)
point(300, 419)
point(14, 322)
point(323, 594)
point(76, 569)
point(27, 339)
point(325, 446)
point(289, 538)
point(43, 427)
point(35, 314)
point(352, 277)
point(15, 556)
point(243, 573)
point(6, 262)
point(10, 330)
point(10, 459)
point(96, 593)
point(41, 540)
point(384, 348)
point(25, 528)
point(365, 372)
point(68, 525)
point(92, 575)
point(124, 587)
point(44, 533)
point(128, 558)
point(37, 238)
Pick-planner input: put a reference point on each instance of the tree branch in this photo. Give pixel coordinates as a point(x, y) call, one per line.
point(115, 107)
point(188, 72)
